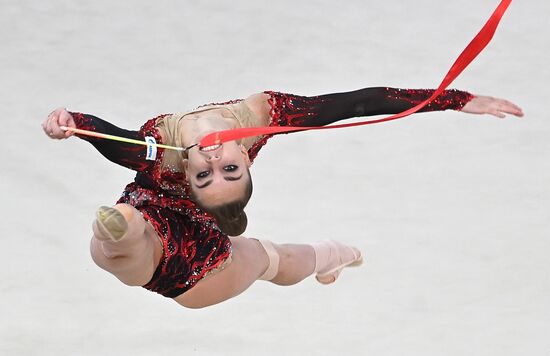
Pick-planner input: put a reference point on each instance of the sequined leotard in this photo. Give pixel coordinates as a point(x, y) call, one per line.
point(192, 243)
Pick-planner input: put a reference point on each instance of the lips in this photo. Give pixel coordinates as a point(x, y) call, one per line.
point(210, 148)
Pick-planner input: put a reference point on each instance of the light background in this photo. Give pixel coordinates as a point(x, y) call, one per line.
point(452, 211)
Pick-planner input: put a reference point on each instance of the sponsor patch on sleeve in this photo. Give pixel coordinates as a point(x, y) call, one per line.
point(151, 148)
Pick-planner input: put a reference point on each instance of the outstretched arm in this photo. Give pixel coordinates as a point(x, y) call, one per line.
point(124, 154)
point(294, 110)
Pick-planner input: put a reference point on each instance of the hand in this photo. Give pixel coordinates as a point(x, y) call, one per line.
point(58, 117)
point(488, 105)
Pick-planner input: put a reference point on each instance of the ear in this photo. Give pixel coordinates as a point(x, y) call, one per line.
point(244, 151)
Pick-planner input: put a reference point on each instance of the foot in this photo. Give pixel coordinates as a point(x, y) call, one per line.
point(332, 257)
point(110, 224)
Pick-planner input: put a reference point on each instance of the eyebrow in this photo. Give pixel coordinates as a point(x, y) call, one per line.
point(206, 184)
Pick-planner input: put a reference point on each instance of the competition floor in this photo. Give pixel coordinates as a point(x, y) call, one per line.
point(452, 211)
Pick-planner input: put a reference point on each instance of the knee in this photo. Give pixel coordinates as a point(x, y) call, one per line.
point(286, 258)
point(127, 210)
point(274, 260)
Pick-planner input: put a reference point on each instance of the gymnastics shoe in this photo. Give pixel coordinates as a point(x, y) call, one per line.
point(331, 257)
point(109, 224)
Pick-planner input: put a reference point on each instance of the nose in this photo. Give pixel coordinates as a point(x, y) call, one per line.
point(213, 157)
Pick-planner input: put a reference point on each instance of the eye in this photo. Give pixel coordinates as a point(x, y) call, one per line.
point(203, 174)
point(230, 168)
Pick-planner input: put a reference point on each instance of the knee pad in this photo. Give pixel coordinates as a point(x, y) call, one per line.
point(273, 256)
point(110, 224)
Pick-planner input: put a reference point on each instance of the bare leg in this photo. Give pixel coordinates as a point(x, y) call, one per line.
point(135, 256)
point(290, 263)
point(249, 262)
point(296, 262)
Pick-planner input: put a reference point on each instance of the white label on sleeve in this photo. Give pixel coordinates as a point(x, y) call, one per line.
point(151, 148)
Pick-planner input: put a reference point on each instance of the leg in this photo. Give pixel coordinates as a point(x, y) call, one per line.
point(251, 260)
point(125, 245)
point(289, 264)
point(296, 262)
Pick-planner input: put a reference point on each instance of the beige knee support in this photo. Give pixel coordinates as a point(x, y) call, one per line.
point(110, 224)
point(273, 255)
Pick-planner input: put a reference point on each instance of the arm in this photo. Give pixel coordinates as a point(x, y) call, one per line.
point(124, 154)
point(294, 110)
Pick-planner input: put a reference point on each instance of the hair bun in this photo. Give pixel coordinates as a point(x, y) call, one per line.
point(233, 226)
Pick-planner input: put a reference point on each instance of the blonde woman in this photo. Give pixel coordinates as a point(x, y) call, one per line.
point(175, 229)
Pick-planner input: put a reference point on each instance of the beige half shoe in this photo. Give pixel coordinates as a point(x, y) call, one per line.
point(333, 261)
point(110, 223)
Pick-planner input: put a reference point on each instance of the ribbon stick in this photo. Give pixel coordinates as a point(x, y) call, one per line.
point(471, 51)
point(118, 138)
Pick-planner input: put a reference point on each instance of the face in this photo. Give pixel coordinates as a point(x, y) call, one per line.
point(218, 174)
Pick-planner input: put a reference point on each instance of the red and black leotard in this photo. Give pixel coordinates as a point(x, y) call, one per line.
point(192, 243)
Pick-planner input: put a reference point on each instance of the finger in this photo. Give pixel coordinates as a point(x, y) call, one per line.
point(56, 130)
point(513, 108)
point(66, 119)
point(509, 103)
point(68, 133)
point(513, 111)
point(497, 114)
point(45, 122)
point(48, 128)
point(45, 129)
point(518, 111)
point(50, 125)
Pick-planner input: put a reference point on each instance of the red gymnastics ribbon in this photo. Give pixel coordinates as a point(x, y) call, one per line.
point(471, 51)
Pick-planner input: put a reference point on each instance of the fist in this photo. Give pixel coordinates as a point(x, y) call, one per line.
point(58, 117)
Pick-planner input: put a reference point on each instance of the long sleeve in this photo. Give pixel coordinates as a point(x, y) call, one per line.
point(295, 110)
point(125, 154)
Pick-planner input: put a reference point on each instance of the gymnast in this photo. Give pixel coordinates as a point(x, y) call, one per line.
point(176, 229)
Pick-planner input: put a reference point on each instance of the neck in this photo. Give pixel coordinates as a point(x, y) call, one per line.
point(195, 130)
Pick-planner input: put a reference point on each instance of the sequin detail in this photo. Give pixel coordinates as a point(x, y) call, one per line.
point(126, 154)
point(451, 99)
point(285, 110)
point(192, 243)
point(293, 110)
point(191, 249)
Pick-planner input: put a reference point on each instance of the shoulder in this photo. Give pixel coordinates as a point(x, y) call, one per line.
point(259, 104)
